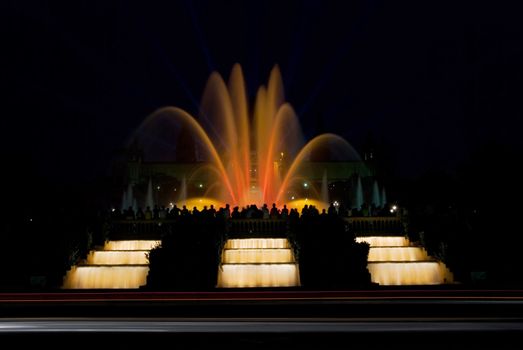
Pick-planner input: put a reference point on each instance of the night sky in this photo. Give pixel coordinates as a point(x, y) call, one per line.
point(429, 81)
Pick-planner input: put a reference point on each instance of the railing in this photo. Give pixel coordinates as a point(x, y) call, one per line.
point(257, 227)
point(155, 229)
point(139, 229)
point(375, 225)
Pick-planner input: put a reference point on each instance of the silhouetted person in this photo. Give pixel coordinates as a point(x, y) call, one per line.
point(274, 212)
point(129, 214)
point(140, 215)
point(227, 211)
point(284, 212)
point(265, 211)
point(212, 211)
point(174, 212)
point(235, 213)
point(148, 215)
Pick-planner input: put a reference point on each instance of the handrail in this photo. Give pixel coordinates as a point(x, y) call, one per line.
point(375, 224)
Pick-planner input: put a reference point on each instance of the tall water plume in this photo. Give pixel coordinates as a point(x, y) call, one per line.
point(358, 194)
point(376, 194)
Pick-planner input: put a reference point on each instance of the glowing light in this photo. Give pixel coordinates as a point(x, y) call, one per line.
point(158, 188)
point(257, 243)
point(305, 185)
point(106, 277)
point(384, 241)
point(200, 185)
point(200, 202)
point(397, 254)
point(258, 275)
point(300, 203)
point(408, 273)
point(249, 256)
point(114, 257)
point(131, 245)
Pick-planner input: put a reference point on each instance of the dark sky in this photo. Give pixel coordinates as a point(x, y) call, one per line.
point(431, 80)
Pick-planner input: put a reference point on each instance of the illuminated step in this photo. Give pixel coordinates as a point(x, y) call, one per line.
point(120, 265)
point(258, 275)
point(131, 245)
point(384, 241)
point(393, 260)
point(258, 262)
point(269, 255)
point(397, 254)
point(257, 243)
point(409, 273)
point(111, 277)
point(117, 257)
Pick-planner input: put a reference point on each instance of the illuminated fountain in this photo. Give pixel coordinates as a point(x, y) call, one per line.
point(258, 262)
point(252, 155)
point(248, 155)
point(120, 264)
point(393, 260)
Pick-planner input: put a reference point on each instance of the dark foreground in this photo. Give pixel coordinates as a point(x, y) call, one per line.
point(406, 319)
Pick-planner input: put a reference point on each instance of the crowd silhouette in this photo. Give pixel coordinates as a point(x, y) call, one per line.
point(251, 211)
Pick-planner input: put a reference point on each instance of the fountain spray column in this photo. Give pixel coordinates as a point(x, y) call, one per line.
point(358, 194)
point(149, 196)
point(376, 194)
point(324, 188)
